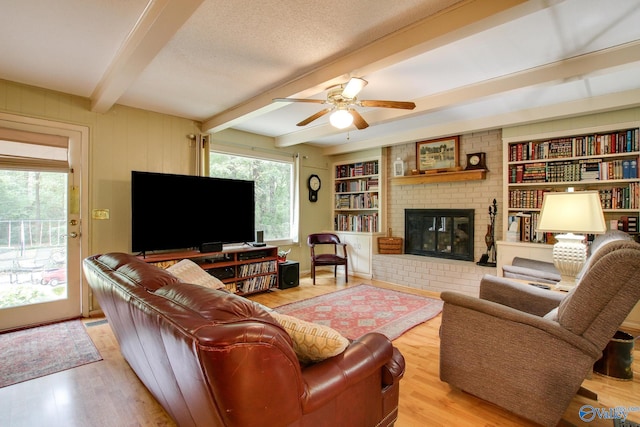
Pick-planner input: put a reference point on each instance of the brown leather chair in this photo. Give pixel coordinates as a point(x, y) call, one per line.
point(328, 257)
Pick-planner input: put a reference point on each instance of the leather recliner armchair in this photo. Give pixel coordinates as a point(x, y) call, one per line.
point(528, 350)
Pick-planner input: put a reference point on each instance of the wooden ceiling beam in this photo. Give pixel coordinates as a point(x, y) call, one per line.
point(157, 25)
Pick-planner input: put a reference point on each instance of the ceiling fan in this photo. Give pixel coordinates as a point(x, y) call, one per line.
point(343, 99)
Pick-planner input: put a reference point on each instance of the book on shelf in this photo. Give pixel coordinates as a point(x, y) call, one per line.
point(584, 145)
point(357, 169)
point(526, 199)
point(357, 222)
point(623, 197)
point(630, 169)
point(522, 228)
point(590, 169)
point(628, 224)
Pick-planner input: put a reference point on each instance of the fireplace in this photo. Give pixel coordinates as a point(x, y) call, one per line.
point(441, 233)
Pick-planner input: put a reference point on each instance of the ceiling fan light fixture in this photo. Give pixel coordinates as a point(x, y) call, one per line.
point(353, 87)
point(341, 119)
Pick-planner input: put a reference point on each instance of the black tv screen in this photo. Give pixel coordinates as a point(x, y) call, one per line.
point(183, 211)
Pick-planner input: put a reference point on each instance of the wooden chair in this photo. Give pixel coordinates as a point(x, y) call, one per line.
point(327, 258)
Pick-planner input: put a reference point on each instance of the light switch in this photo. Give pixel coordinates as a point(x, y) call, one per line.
point(100, 214)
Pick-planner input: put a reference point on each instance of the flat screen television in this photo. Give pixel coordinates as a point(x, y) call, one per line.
point(184, 211)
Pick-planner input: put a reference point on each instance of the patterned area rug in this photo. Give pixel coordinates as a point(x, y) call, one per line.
point(44, 350)
point(363, 308)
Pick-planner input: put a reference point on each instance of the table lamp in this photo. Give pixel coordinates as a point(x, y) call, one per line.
point(568, 213)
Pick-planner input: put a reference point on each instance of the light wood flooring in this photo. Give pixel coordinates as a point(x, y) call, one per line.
point(107, 393)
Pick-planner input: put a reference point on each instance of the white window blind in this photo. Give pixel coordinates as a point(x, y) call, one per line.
point(22, 150)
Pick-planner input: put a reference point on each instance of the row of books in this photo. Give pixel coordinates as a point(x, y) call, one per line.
point(257, 268)
point(359, 223)
point(585, 145)
point(621, 197)
point(572, 171)
point(628, 224)
point(526, 199)
point(258, 283)
point(357, 201)
point(370, 184)
point(357, 169)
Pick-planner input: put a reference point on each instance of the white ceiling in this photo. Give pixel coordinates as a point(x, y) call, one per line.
point(468, 65)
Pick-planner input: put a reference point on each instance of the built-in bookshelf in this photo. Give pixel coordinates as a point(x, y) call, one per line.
point(602, 159)
point(243, 269)
point(358, 210)
point(357, 196)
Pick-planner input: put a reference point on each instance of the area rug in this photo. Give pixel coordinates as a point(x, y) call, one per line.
point(43, 350)
point(357, 310)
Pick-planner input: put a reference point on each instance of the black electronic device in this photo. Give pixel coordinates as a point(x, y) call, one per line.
point(211, 247)
point(288, 274)
point(244, 256)
point(175, 211)
point(259, 243)
point(222, 272)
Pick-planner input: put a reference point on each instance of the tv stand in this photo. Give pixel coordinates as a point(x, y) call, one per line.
point(243, 269)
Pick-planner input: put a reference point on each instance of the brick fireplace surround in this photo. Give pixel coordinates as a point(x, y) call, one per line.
point(434, 274)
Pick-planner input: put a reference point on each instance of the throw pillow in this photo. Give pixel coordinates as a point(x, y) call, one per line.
point(311, 342)
point(190, 272)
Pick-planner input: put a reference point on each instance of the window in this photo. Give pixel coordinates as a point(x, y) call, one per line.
point(275, 187)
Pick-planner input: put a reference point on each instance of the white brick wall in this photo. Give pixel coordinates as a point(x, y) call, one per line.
point(432, 273)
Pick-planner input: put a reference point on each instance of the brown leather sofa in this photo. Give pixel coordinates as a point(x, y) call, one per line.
point(212, 358)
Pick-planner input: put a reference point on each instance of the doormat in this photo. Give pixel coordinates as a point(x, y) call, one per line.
point(43, 350)
point(357, 310)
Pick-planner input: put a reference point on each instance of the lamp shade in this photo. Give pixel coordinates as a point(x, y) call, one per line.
point(341, 119)
point(572, 212)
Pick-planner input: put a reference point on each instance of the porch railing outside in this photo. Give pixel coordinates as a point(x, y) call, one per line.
point(32, 254)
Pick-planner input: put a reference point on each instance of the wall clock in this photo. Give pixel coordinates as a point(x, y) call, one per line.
point(314, 185)
point(476, 161)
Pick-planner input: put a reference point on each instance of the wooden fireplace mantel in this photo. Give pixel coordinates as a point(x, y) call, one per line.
point(433, 178)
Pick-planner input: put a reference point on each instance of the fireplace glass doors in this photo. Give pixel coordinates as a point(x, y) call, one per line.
point(441, 233)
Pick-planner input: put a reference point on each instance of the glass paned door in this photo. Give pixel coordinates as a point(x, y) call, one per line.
point(40, 222)
point(33, 237)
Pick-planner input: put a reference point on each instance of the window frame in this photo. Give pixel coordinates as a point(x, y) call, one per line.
point(289, 158)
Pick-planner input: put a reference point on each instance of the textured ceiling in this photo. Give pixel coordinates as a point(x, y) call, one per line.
point(467, 65)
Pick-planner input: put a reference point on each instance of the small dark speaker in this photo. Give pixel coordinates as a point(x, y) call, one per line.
point(288, 274)
point(211, 247)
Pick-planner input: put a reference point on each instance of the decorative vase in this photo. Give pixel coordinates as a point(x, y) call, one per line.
point(488, 238)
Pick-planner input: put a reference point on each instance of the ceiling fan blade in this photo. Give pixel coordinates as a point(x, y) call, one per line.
point(314, 117)
point(314, 101)
point(358, 120)
point(388, 104)
point(353, 87)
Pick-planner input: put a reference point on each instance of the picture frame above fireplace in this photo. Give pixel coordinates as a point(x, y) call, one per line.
point(437, 155)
